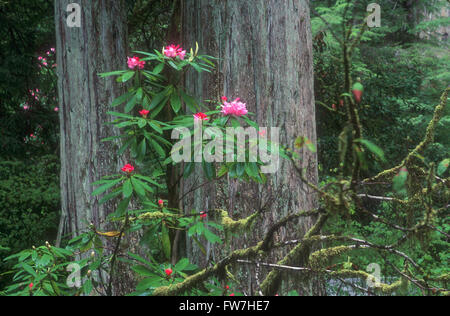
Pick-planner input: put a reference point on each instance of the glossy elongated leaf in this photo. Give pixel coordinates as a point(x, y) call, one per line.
point(121, 99)
point(158, 149)
point(138, 187)
point(127, 189)
point(131, 104)
point(105, 187)
point(166, 241)
point(443, 166)
point(126, 76)
point(158, 68)
point(144, 271)
point(112, 73)
point(122, 207)
point(373, 148)
point(157, 99)
point(175, 101)
point(155, 126)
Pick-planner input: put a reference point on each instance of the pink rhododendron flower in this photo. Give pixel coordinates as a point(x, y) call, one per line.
point(40, 58)
point(161, 203)
point(56, 109)
point(48, 53)
point(236, 108)
point(201, 116)
point(45, 64)
point(144, 113)
point(182, 54)
point(173, 51)
point(135, 62)
point(128, 168)
point(52, 49)
point(26, 107)
point(224, 99)
point(202, 215)
point(168, 271)
point(31, 286)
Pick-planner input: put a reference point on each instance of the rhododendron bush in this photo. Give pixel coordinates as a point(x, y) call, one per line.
point(154, 93)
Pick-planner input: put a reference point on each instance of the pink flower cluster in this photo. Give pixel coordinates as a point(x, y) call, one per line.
point(173, 51)
point(236, 108)
point(135, 62)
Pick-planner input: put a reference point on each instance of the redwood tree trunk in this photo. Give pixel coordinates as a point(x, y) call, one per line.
point(265, 51)
point(99, 45)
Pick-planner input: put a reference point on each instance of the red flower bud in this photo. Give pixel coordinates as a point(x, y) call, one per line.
point(144, 113)
point(168, 271)
point(128, 168)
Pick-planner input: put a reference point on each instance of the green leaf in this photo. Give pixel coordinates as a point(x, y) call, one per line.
point(87, 287)
point(372, 147)
point(127, 189)
point(211, 237)
point(209, 169)
point(157, 99)
point(122, 207)
point(120, 115)
point(158, 148)
point(175, 101)
point(28, 269)
point(152, 282)
point(142, 122)
point(155, 126)
point(105, 187)
point(139, 95)
point(190, 102)
point(131, 104)
point(138, 186)
point(182, 264)
point(252, 170)
point(240, 169)
point(126, 76)
point(188, 168)
point(166, 241)
point(157, 70)
point(112, 73)
point(121, 99)
point(144, 271)
point(443, 166)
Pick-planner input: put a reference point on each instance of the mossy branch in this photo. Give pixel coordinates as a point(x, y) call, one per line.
point(428, 139)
